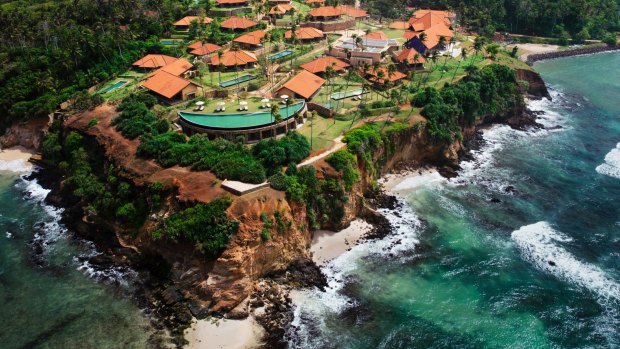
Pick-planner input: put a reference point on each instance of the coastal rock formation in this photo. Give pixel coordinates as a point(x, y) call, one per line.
point(28, 134)
point(536, 87)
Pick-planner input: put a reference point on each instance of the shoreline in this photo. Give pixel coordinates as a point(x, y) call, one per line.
point(581, 51)
point(16, 159)
point(214, 333)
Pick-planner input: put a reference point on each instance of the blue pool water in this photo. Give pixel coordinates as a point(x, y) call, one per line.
point(238, 80)
point(280, 54)
point(114, 87)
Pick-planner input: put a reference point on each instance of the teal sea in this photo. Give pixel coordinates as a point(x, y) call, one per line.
point(50, 297)
point(522, 250)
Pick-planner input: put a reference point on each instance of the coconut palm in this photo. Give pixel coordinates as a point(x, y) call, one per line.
point(220, 53)
point(478, 45)
point(463, 56)
point(275, 117)
point(329, 72)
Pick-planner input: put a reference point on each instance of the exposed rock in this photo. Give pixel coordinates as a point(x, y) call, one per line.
point(28, 134)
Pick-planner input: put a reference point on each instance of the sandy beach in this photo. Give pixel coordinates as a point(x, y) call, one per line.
point(327, 245)
point(15, 159)
point(224, 334)
point(530, 49)
point(409, 180)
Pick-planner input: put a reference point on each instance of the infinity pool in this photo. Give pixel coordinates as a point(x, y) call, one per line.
point(113, 87)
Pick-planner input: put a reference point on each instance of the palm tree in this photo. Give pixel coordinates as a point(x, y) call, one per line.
point(289, 102)
point(220, 53)
point(478, 45)
point(391, 70)
point(275, 117)
point(329, 72)
point(380, 78)
point(492, 50)
point(463, 56)
point(311, 119)
point(365, 69)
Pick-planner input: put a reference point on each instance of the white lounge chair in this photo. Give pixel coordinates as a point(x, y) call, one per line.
point(201, 108)
point(223, 109)
point(268, 105)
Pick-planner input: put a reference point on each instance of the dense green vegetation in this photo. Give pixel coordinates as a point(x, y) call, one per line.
point(206, 225)
point(492, 91)
point(87, 178)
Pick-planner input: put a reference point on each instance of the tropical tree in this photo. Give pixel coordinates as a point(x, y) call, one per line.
point(220, 66)
point(478, 45)
point(492, 50)
point(463, 56)
point(275, 117)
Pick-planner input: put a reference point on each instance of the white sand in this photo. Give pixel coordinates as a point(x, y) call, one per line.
point(15, 159)
point(409, 180)
point(224, 334)
point(327, 245)
point(530, 49)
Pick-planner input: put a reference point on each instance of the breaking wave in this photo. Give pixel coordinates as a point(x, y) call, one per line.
point(611, 167)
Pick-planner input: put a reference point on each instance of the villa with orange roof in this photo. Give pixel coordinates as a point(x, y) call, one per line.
point(152, 61)
point(279, 10)
point(325, 13)
point(376, 35)
point(399, 25)
point(303, 85)
point(178, 68)
point(237, 23)
point(449, 16)
point(319, 65)
point(232, 3)
point(251, 40)
point(170, 88)
point(367, 51)
point(203, 50)
point(409, 58)
point(427, 21)
point(395, 77)
point(433, 38)
point(352, 11)
point(305, 34)
point(183, 23)
point(235, 59)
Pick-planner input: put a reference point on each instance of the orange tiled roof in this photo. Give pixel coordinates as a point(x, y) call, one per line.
point(325, 11)
point(352, 11)
point(376, 35)
point(427, 21)
point(238, 23)
point(409, 34)
point(399, 25)
point(203, 49)
point(435, 32)
point(166, 84)
point(187, 20)
point(408, 56)
point(280, 9)
point(421, 13)
point(232, 58)
point(153, 61)
point(177, 67)
point(251, 38)
point(375, 78)
point(304, 84)
point(222, 2)
point(320, 65)
point(305, 33)
point(314, 1)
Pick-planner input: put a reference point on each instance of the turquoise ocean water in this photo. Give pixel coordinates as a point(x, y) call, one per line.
point(522, 250)
point(50, 297)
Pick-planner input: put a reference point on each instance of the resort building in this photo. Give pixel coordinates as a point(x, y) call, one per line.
point(180, 67)
point(352, 11)
point(376, 35)
point(305, 34)
point(319, 65)
point(381, 76)
point(232, 3)
point(433, 38)
point(303, 85)
point(409, 58)
point(427, 21)
point(325, 13)
point(278, 11)
point(367, 51)
point(237, 23)
point(153, 61)
point(184, 23)
point(234, 59)
point(447, 15)
point(170, 88)
point(399, 25)
point(251, 40)
point(280, 2)
point(203, 50)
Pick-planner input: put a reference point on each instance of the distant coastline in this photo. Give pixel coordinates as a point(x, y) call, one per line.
point(532, 58)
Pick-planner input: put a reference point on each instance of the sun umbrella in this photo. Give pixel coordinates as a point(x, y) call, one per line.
point(265, 100)
point(243, 103)
point(284, 96)
point(200, 103)
point(221, 103)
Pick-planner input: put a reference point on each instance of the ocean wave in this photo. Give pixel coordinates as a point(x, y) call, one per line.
point(313, 306)
point(540, 245)
point(611, 167)
point(19, 166)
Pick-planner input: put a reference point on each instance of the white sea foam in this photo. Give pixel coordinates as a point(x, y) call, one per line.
point(611, 167)
point(313, 306)
point(541, 245)
point(18, 165)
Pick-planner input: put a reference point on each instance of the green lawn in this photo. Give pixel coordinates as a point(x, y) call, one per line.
point(391, 33)
point(324, 131)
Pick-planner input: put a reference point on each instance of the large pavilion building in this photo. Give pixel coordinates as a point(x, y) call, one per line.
point(237, 23)
point(303, 85)
point(237, 59)
point(184, 23)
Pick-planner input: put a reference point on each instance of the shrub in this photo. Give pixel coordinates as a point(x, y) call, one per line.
point(206, 225)
point(345, 162)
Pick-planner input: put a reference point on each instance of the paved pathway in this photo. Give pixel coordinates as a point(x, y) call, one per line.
point(338, 144)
